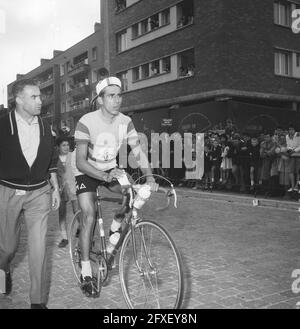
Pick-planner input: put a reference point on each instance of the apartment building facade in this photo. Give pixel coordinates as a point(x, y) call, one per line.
point(67, 81)
point(189, 65)
point(186, 65)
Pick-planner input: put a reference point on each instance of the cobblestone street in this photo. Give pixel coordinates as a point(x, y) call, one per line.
point(235, 256)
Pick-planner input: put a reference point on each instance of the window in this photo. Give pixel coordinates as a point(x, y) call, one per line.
point(120, 5)
point(185, 13)
point(283, 63)
point(69, 66)
point(145, 71)
point(282, 14)
point(144, 26)
point(123, 4)
point(63, 88)
point(62, 69)
point(94, 53)
point(186, 62)
point(154, 68)
point(165, 17)
point(135, 73)
point(123, 76)
point(135, 30)
point(153, 22)
point(122, 41)
point(81, 59)
point(94, 75)
point(166, 64)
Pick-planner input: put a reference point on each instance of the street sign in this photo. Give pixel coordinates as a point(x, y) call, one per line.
point(167, 122)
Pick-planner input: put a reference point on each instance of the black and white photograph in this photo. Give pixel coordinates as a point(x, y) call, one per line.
point(149, 157)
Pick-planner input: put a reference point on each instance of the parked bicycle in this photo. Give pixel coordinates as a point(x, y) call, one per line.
point(150, 267)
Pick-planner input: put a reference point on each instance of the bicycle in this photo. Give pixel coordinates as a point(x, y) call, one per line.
point(150, 266)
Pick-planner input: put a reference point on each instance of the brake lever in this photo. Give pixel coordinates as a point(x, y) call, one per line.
point(169, 194)
point(173, 193)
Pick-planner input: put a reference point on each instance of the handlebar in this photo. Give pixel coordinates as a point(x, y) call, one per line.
point(129, 189)
point(168, 193)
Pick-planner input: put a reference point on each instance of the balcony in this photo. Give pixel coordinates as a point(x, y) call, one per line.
point(79, 68)
point(80, 105)
point(80, 89)
point(47, 100)
point(47, 83)
point(79, 108)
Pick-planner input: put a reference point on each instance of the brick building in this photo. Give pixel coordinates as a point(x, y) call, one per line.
point(188, 65)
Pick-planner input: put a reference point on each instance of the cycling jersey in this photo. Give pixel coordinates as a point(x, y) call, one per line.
point(105, 138)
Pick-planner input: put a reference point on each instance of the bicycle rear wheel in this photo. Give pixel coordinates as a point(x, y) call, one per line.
point(160, 282)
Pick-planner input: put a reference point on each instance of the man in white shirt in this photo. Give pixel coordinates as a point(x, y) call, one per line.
point(27, 163)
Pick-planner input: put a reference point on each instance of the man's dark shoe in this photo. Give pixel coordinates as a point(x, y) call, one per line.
point(8, 283)
point(63, 243)
point(89, 286)
point(38, 307)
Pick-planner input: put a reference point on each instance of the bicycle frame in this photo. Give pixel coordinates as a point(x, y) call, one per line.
point(138, 249)
point(131, 218)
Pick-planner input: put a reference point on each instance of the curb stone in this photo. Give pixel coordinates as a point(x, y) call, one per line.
point(246, 200)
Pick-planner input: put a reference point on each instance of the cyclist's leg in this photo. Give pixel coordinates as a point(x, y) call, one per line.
point(115, 228)
point(86, 192)
point(87, 205)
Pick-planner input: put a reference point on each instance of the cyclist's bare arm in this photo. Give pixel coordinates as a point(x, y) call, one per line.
point(86, 168)
point(144, 164)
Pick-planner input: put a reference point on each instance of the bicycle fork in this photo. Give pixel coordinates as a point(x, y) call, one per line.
point(146, 276)
point(133, 222)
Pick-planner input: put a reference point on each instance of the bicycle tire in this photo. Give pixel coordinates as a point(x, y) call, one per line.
point(97, 260)
point(74, 248)
point(141, 290)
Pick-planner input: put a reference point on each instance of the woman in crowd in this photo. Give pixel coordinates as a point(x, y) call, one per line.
point(66, 181)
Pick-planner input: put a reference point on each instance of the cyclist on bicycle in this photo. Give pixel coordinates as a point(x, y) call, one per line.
point(99, 136)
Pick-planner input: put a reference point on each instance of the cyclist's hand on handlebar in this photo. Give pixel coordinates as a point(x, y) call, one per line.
point(116, 173)
point(151, 182)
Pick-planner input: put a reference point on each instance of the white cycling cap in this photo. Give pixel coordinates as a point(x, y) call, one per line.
point(107, 82)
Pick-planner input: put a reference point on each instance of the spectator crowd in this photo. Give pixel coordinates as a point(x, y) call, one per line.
point(267, 163)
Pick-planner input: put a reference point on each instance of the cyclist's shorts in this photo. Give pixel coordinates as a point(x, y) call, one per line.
point(86, 183)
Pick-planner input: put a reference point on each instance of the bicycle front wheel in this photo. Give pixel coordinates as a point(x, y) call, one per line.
point(152, 280)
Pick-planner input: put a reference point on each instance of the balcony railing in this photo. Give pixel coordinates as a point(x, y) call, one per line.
point(46, 83)
point(80, 89)
point(80, 105)
point(79, 68)
point(47, 99)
